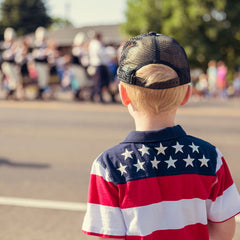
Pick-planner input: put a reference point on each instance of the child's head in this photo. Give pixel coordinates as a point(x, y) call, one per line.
point(154, 70)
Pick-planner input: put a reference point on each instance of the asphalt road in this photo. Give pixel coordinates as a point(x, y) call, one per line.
point(46, 152)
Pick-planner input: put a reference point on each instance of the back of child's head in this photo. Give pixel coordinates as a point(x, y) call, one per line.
point(154, 71)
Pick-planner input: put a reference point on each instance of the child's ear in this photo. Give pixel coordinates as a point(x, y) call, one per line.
point(123, 94)
point(187, 95)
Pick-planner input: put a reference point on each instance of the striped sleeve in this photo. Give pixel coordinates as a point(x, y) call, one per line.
point(224, 201)
point(103, 217)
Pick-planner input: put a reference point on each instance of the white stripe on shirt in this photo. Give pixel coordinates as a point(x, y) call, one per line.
point(219, 159)
point(165, 215)
point(104, 220)
point(225, 206)
point(99, 170)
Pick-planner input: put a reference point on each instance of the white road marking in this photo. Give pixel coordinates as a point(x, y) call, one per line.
point(36, 203)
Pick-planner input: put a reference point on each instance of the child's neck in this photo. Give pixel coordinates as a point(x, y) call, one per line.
point(146, 122)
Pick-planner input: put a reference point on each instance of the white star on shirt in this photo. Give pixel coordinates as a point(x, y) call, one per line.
point(161, 149)
point(122, 169)
point(189, 161)
point(194, 148)
point(127, 154)
point(144, 150)
point(204, 161)
point(178, 147)
point(155, 163)
point(171, 162)
point(139, 165)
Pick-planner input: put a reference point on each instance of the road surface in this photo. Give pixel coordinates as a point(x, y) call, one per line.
point(47, 149)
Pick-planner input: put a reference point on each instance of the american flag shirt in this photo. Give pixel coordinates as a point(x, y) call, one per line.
point(159, 185)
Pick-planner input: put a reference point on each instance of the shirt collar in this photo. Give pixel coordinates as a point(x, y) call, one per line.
point(156, 135)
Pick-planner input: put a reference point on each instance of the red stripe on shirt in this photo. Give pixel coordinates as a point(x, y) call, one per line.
point(102, 192)
point(224, 181)
point(150, 190)
point(168, 188)
point(103, 235)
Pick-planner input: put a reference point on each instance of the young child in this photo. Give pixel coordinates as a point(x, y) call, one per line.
point(159, 183)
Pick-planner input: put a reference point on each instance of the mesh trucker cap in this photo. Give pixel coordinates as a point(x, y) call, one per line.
point(153, 48)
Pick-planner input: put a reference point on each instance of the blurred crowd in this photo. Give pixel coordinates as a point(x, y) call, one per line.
point(214, 84)
point(89, 66)
point(88, 70)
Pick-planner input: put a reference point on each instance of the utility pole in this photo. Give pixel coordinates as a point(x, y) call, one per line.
point(67, 10)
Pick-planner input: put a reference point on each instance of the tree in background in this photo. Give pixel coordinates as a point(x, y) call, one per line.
point(58, 23)
point(24, 15)
point(208, 29)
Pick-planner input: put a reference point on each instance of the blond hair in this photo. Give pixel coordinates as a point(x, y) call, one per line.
point(155, 101)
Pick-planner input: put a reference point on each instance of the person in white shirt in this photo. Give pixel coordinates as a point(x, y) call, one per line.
point(98, 60)
point(9, 65)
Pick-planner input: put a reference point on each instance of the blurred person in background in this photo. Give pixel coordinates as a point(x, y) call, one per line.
point(53, 54)
point(40, 55)
point(236, 84)
point(23, 59)
point(112, 68)
point(98, 59)
point(9, 66)
point(212, 77)
point(65, 72)
point(202, 86)
point(221, 79)
point(79, 65)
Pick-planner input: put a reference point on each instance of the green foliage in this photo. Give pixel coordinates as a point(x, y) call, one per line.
point(58, 23)
point(142, 16)
point(24, 15)
point(208, 29)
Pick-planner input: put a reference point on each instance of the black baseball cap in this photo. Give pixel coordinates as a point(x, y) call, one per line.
point(153, 48)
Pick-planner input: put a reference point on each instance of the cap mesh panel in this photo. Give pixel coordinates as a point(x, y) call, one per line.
point(141, 50)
